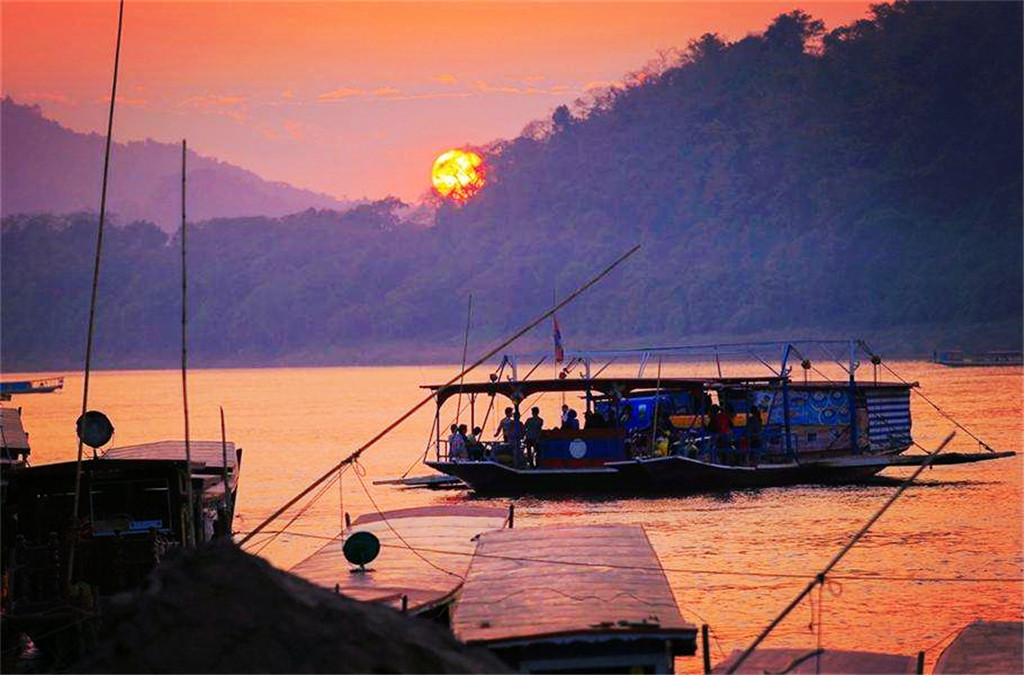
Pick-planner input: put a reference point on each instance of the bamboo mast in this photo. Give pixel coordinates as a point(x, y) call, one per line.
point(184, 356)
point(95, 286)
point(354, 456)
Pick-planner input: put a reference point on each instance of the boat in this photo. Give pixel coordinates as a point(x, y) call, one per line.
point(572, 599)
point(45, 386)
point(955, 358)
point(667, 435)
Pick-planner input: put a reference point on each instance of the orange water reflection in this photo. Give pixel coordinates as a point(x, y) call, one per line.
point(964, 521)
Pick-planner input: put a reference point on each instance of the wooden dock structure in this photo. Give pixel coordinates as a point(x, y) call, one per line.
point(422, 580)
point(828, 661)
point(560, 598)
point(984, 647)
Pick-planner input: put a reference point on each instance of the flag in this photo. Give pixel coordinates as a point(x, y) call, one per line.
point(559, 351)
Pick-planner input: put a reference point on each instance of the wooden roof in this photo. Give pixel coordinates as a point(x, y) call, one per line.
point(507, 599)
point(398, 571)
point(208, 453)
point(984, 647)
point(12, 433)
point(833, 662)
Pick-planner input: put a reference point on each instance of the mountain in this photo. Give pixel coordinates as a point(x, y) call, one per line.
point(47, 168)
point(793, 184)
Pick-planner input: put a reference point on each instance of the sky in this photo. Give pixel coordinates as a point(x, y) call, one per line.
point(354, 99)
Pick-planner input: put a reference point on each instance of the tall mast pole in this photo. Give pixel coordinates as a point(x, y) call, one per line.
point(190, 521)
point(95, 286)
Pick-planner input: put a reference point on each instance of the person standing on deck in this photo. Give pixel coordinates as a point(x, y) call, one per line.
point(534, 425)
point(565, 414)
point(506, 427)
point(456, 444)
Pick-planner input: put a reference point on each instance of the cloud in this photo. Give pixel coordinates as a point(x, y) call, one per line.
point(295, 129)
point(601, 84)
point(46, 97)
point(341, 94)
point(288, 94)
point(212, 101)
point(386, 92)
point(445, 78)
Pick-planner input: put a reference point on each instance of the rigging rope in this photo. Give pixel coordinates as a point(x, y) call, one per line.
point(820, 578)
point(355, 455)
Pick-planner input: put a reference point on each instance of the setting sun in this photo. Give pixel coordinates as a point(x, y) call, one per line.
point(458, 174)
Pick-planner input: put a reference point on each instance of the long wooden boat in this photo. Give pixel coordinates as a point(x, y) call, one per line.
point(572, 599)
point(682, 435)
point(45, 386)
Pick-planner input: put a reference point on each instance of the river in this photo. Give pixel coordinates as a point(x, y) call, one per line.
point(962, 521)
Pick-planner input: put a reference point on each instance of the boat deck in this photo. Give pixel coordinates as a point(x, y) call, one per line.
point(529, 583)
point(426, 578)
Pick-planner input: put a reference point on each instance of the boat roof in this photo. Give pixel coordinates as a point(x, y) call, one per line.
point(625, 386)
point(427, 578)
point(622, 386)
point(804, 662)
point(984, 647)
point(519, 588)
point(12, 433)
point(208, 453)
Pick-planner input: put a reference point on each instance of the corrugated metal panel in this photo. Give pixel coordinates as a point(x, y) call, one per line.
point(889, 420)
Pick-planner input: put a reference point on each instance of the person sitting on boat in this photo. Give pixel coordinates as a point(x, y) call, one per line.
point(456, 444)
point(473, 445)
point(534, 425)
point(572, 422)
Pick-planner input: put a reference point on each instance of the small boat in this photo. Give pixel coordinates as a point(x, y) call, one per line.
point(683, 435)
point(954, 358)
point(7, 389)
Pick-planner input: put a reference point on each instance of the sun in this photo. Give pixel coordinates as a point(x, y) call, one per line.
point(458, 174)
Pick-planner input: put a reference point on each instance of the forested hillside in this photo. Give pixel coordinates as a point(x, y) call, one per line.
point(867, 181)
point(49, 168)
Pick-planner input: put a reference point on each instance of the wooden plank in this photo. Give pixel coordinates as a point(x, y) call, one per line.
point(833, 662)
point(508, 598)
point(984, 647)
point(427, 579)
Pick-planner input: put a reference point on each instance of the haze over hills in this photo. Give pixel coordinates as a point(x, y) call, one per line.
point(872, 186)
point(47, 168)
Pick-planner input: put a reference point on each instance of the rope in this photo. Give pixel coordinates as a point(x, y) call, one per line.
point(396, 532)
point(355, 455)
point(299, 513)
point(929, 401)
point(820, 578)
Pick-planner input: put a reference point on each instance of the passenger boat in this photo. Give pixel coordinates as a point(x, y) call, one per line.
point(667, 434)
point(46, 386)
point(954, 358)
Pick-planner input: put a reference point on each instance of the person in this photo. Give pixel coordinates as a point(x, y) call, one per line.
point(456, 444)
point(625, 415)
point(722, 425)
point(571, 422)
point(594, 420)
point(754, 427)
point(506, 427)
point(474, 447)
point(565, 414)
point(534, 425)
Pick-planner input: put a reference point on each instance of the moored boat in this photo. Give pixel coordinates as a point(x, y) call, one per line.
point(685, 434)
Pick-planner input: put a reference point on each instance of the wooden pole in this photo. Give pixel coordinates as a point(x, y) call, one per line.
point(354, 456)
point(705, 648)
point(229, 499)
point(184, 355)
point(95, 286)
point(657, 400)
point(465, 350)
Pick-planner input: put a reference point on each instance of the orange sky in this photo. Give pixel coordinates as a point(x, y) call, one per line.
point(352, 99)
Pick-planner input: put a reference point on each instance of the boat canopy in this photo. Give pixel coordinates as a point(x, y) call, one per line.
point(609, 386)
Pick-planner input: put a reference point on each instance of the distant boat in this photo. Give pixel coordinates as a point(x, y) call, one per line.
point(710, 433)
point(31, 386)
point(955, 358)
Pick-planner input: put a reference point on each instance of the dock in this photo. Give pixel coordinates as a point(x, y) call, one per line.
point(984, 647)
point(422, 580)
point(559, 598)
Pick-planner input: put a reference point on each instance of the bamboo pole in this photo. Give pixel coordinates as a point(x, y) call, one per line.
point(95, 286)
point(184, 357)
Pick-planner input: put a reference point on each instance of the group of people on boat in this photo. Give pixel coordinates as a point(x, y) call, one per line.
point(712, 434)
